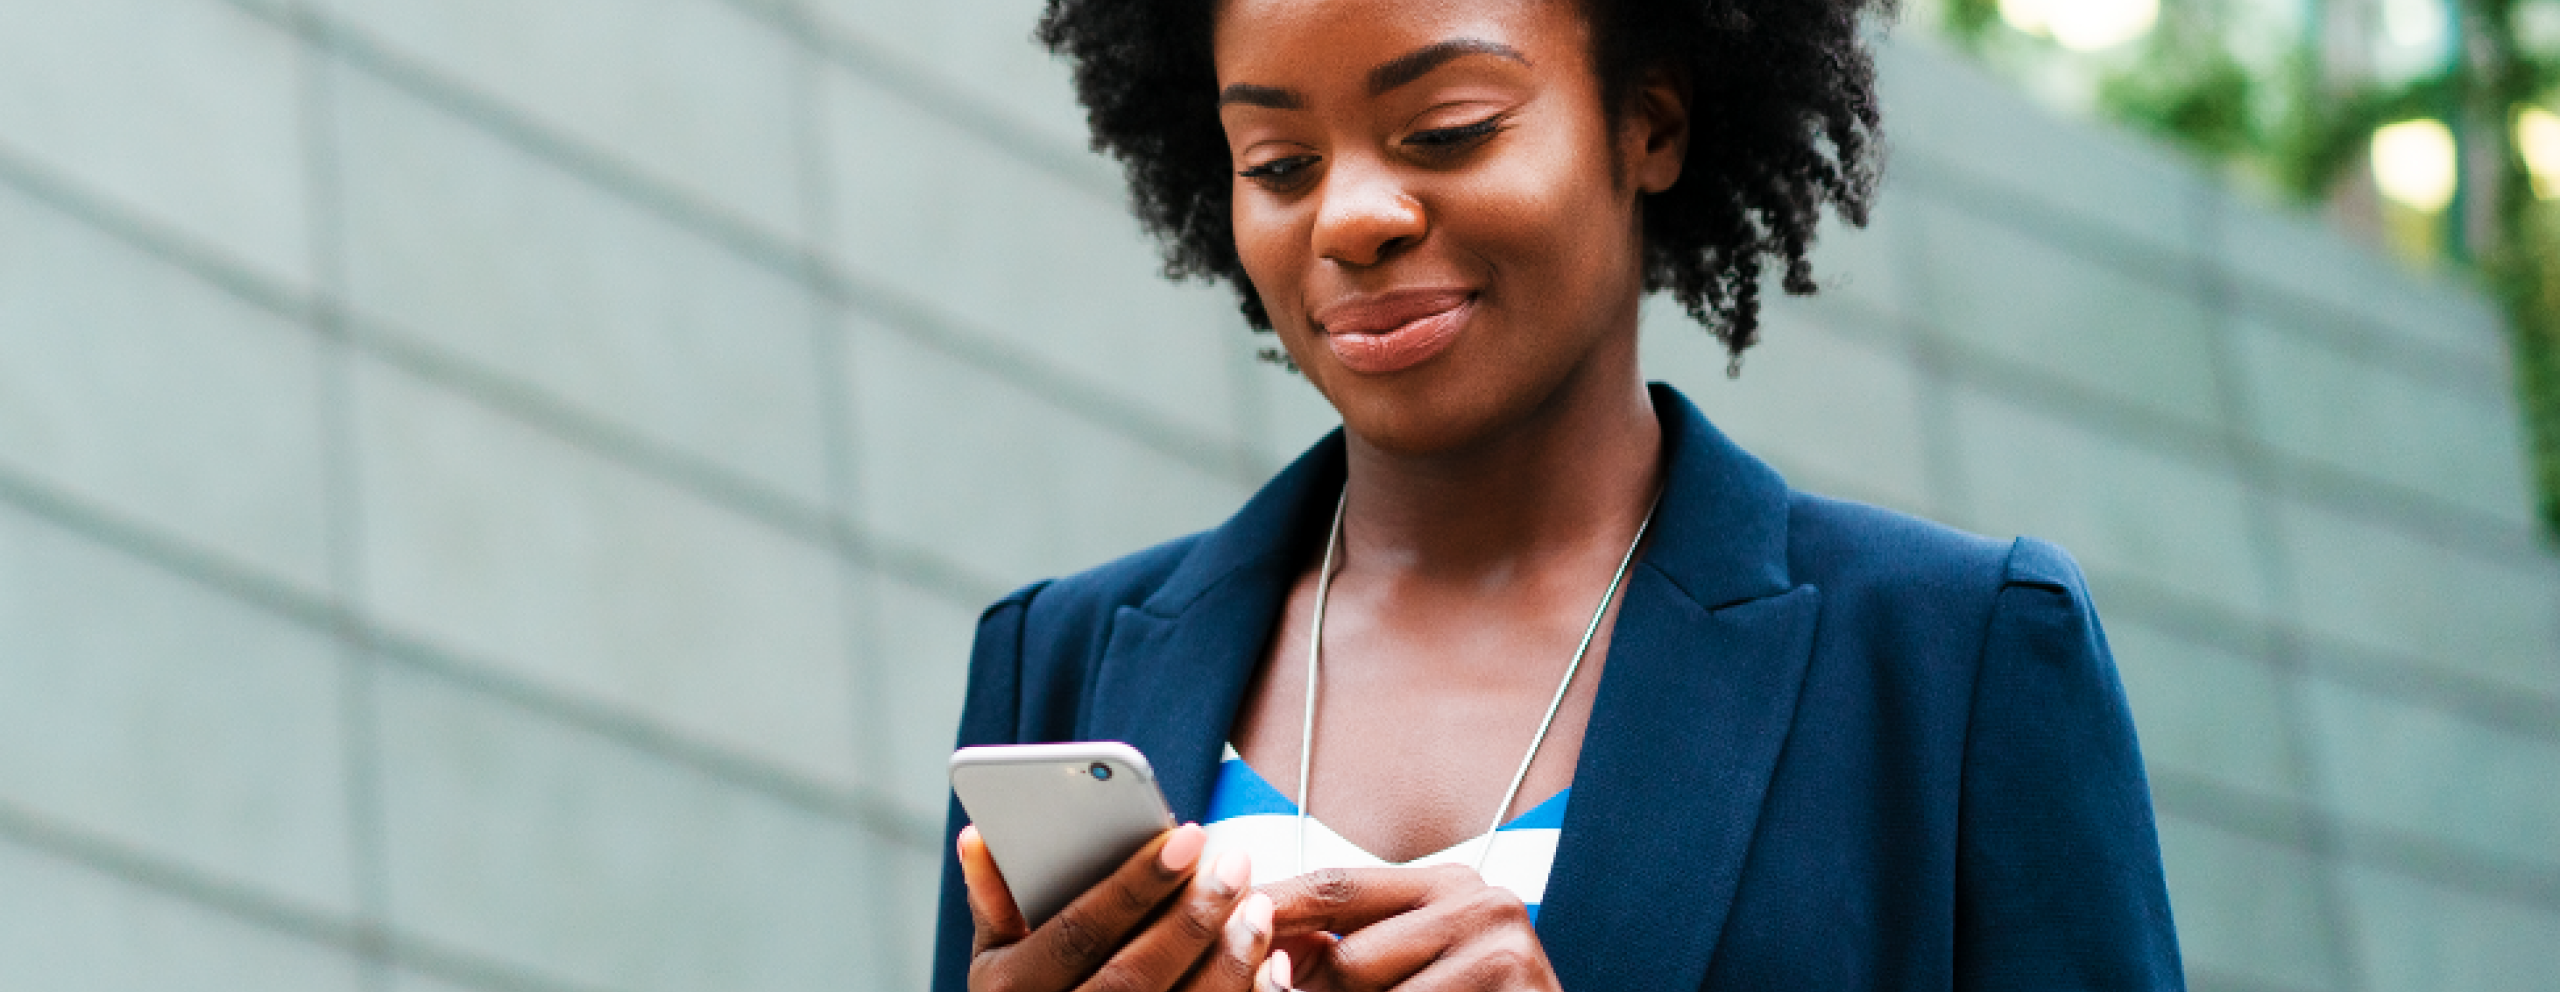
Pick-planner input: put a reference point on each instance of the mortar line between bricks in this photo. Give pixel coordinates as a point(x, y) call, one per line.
point(250, 905)
point(220, 574)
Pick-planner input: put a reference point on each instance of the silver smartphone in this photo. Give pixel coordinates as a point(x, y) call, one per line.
point(1058, 817)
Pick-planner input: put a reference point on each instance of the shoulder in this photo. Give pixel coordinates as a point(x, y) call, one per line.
point(1892, 566)
point(1057, 609)
point(1835, 538)
point(1036, 647)
point(1845, 546)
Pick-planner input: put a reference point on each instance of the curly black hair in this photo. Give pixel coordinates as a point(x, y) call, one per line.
point(1782, 109)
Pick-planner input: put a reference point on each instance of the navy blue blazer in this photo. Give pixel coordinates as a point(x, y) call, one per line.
point(1834, 747)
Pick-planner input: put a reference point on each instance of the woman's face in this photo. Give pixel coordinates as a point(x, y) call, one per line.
point(1434, 208)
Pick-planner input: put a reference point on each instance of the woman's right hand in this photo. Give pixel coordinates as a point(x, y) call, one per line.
point(1156, 925)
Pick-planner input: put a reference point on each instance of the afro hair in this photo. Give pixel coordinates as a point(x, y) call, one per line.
point(1782, 109)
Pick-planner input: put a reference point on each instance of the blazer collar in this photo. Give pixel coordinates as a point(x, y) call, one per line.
point(1175, 667)
point(1726, 544)
point(1699, 692)
point(1699, 689)
point(1721, 535)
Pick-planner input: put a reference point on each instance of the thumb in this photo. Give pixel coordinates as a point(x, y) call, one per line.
point(991, 906)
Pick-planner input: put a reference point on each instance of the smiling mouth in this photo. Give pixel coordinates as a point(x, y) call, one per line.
point(1395, 331)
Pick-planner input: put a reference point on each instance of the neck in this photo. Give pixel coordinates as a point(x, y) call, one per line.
point(1576, 472)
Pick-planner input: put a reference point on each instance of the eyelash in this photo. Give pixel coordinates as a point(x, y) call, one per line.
point(1435, 141)
point(1451, 137)
point(1278, 170)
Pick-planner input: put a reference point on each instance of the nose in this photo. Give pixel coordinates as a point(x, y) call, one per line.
point(1366, 215)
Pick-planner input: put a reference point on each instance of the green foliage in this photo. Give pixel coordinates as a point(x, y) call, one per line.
point(1970, 21)
point(2302, 130)
point(2326, 133)
point(2529, 284)
point(2201, 100)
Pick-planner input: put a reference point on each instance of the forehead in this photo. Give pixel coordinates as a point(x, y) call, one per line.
point(1257, 40)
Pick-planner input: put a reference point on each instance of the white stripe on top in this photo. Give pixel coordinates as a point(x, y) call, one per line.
point(1247, 814)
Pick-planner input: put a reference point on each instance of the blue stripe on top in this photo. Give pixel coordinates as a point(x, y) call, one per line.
point(1241, 791)
point(1247, 812)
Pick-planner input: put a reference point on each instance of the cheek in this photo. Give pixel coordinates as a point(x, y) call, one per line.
point(1551, 217)
point(1273, 250)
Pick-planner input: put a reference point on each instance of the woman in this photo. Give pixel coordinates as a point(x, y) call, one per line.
point(1733, 736)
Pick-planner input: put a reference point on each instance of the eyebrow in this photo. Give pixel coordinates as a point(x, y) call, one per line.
point(1392, 73)
point(1254, 95)
point(1418, 63)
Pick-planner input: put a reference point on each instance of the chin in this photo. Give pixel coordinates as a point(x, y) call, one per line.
point(1425, 415)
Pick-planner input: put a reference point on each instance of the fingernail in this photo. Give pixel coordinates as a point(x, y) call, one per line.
point(1275, 972)
point(1257, 912)
point(1183, 848)
point(1233, 871)
point(966, 833)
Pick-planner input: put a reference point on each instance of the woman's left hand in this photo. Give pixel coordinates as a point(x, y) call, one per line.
point(1435, 927)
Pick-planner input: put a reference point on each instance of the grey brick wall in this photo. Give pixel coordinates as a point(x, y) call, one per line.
point(493, 494)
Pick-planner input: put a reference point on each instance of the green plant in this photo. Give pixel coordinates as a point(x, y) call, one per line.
point(2201, 100)
point(2528, 283)
point(2302, 129)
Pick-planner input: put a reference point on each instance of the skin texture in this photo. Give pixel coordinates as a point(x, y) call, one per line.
point(1494, 483)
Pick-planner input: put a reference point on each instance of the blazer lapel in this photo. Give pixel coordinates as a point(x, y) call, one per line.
point(1170, 686)
point(1692, 709)
point(1704, 668)
point(1175, 667)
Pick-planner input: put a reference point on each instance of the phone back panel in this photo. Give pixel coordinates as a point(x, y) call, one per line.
point(1054, 826)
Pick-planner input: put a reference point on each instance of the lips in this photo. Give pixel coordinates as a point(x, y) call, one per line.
point(1391, 332)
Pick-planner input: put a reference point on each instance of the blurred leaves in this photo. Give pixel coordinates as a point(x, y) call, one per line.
point(2198, 99)
point(2527, 279)
point(2300, 127)
point(1970, 21)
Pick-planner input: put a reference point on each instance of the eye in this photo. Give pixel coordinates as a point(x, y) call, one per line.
point(1452, 138)
point(1279, 172)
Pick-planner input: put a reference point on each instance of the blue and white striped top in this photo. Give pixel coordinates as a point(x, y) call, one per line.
point(1246, 813)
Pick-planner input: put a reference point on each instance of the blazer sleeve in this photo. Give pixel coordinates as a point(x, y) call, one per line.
point(2058, 877)
point(990, 715)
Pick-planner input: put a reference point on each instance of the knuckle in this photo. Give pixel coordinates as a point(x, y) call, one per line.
point(1077, 943)
point(1508, 958)
point(1448, 878)
point(1333, 887)
point(1498, 903)
point(1130, 900)
point(1199, 922)
point(1494, 968)
point(1115, 977)
point(1235, 968)
point(1349, 958)
point(986, 974)
point(984, 927)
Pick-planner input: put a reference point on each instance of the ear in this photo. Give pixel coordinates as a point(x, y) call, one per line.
point(1653, 133)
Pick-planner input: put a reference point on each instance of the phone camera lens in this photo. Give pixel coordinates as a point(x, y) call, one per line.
point(1100, 772)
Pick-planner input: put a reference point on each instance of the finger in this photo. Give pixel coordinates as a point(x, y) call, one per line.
point(1173, 943)
point(991, 905)
point(1275, 973)
point(1242, 947)
point(1307, 949)
point(1513, 962)
point(1488, 922)
point(1341, 900)
point(1081, 936)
